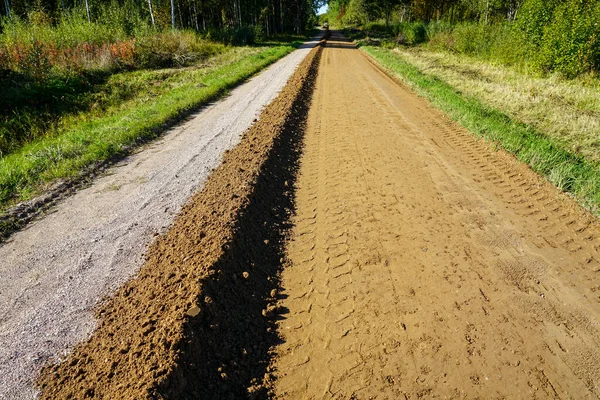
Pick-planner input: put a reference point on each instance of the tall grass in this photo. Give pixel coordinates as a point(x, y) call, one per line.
point(39, 46)
point(51, 69)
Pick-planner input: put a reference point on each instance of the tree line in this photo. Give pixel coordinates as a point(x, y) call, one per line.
point(546, 35)
point(267, 16)
point(364, 11)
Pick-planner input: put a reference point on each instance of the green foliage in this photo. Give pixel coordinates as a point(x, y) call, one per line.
point(72, 30)
point(548, 35)
point(355, 13)
point(411, 33)
point(545, 36)
point(568, 42)
point(534, 16)
point(235, 36)
point(407, 33)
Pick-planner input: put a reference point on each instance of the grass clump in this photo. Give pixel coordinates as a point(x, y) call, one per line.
point(571, 172)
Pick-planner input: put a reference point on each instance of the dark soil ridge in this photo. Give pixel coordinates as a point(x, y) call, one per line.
point(199, 319)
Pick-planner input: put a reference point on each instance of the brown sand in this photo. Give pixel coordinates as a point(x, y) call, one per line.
point(424, 264)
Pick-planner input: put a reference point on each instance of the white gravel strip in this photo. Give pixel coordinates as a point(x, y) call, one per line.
point(53, 272)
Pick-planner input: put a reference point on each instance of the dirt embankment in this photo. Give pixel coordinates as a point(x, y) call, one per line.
point(198, 320)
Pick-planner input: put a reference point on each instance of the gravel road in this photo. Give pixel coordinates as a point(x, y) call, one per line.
point(55, 271)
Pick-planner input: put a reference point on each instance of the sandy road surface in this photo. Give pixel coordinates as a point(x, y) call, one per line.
point(423, 263)
point(55, 271)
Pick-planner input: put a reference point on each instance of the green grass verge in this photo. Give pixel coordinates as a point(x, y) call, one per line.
point(87, 141)
point(570, 172)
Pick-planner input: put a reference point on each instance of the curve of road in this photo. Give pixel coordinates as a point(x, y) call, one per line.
point(425, 264)
point(56, 270)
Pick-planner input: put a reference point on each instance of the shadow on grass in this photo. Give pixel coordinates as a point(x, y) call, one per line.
point(28, 105)
point(228, 346)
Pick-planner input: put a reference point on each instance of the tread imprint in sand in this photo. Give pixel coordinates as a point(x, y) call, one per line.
point(423, 263)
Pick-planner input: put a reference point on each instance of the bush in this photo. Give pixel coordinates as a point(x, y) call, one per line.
point(174, 48)
point(376, 29)
point(570, 43)
point(411, 33)
point(233, 36)
point(407, 33)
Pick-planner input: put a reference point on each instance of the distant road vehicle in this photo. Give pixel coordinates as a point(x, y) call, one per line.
point(326, 25)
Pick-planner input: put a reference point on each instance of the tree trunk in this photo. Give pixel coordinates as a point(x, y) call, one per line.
point(180, 15)
point(172, 14)
point(151, 13)
point(196, 17)
point(7, 6)
point(273, 17)
point(298, 18)
point(87, 9)
point(281, 14)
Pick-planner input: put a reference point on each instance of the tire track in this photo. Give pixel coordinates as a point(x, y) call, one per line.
point(424, 263)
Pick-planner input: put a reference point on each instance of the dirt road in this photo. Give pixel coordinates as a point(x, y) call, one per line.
point(55, 271)
point(425, 264)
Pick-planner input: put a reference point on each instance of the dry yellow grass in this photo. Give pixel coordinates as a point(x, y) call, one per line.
point(566, 110)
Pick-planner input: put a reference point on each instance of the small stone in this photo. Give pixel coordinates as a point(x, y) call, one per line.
point(192, 312)
point(246, 275)
point(269, 312)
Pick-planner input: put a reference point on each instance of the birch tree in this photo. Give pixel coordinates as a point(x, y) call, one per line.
point(151, 13)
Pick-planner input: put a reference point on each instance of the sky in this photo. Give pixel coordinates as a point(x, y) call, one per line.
point(322, 10)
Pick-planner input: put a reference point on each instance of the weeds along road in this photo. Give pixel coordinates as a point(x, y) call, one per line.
point(425, 264)
point(55, 271)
